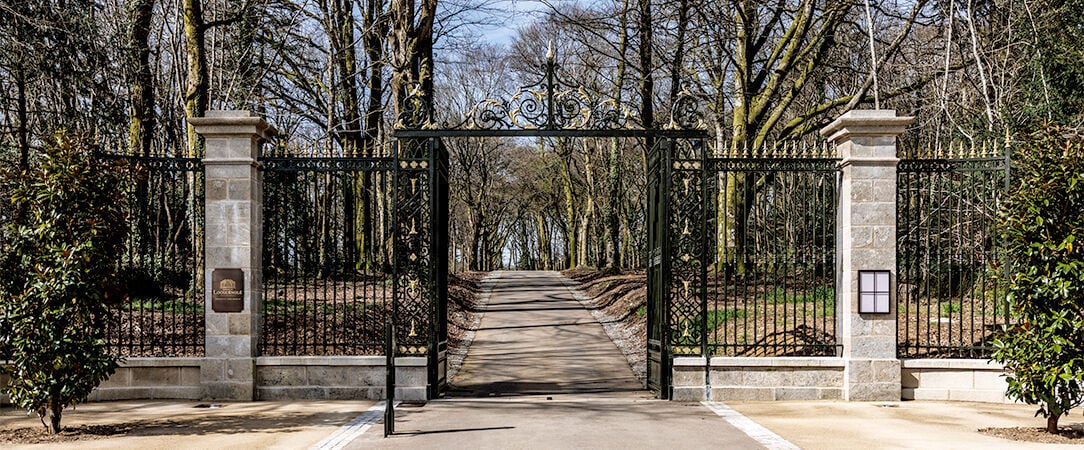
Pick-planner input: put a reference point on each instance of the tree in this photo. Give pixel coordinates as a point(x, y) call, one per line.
point(57, 269)
point(55, 71)
point(141, 123)
point(197, 95)
point(1044, 352)
point(412, 55)
point(1053, 77)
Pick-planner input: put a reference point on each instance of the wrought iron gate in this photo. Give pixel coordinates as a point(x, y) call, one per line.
point(420, 292)
point(658, 358)
point(678, 230)
point(550, 107)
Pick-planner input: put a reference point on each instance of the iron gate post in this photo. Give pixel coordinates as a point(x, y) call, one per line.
point(687, 268)
point(659, 358)
point(438, 268)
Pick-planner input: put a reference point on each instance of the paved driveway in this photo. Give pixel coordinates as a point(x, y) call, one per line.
point(542, 373)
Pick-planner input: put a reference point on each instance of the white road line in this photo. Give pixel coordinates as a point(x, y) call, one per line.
point(746, 425)
point(347, 433)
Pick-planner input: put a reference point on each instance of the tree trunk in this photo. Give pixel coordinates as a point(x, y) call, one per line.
point(340, 24)
point(412, 55)
point(477, 244)
point(679, 51)
point(56, 411)
point(22, 118)
point(1052, 423)
point(544, 248)
point(588, 224)
point(142, 123)
point(196, 92)
point(570, 207)
point(376, 28)
point(614, 162)
point(647, 84)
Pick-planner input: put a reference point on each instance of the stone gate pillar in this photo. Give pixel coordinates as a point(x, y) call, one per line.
point(233, 244)
point(866, 241)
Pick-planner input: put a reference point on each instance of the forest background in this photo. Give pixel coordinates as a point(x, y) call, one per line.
point(329, 74)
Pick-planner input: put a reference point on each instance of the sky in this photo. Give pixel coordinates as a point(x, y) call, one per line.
point(519, 13)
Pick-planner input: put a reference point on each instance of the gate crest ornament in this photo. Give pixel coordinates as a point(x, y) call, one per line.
point(551, 104)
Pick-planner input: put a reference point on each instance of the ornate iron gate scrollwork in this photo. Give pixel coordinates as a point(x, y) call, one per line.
point(417, 326)
point(414, 284)
point(679, 230)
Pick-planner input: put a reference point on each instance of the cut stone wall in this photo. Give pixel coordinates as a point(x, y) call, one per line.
point(277, 378)
point(783, 378)
point(152, 378)
point(688, 379)
point(338, 378)
point(970, 380)
point(777, 378)
point(800, 378)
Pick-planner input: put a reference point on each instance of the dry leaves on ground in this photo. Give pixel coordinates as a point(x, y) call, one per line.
point(38, 435)
point(1066, 435)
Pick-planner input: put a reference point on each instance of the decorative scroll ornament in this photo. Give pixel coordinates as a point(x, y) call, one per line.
point(551, 104)
point(687, 112)
point(414, 113)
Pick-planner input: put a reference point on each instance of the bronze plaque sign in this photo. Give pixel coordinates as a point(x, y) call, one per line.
point(227, 290)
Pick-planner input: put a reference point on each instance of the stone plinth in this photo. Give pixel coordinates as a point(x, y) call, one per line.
point(866, 240)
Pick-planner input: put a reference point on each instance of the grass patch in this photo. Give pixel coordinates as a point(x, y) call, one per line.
point(717, 317)
point(641, 311)
point(170, 306)
point(948, 308)
point(822, 293)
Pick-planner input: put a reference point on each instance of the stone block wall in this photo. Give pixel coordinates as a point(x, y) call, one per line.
point(152, 378)
point(776, 378)
point(783, 378)
point(688, 379)
point(337, 378)
point(969, 380)
point(807, 378)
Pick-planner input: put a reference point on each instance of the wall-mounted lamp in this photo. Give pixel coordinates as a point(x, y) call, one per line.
point(873, 291)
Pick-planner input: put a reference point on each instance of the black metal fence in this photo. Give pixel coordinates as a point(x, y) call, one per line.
point(949, 303)
point(162, 267)
point(327, 227)
point(772, 292)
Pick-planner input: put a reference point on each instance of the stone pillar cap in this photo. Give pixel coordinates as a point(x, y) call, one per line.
point(868, 122)
point(220, 123)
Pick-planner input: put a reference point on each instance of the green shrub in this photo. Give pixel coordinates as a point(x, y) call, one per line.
point(1044, 352)
point(57, 276)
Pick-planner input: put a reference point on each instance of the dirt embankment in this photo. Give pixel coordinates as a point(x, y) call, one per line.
point(464, 307)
